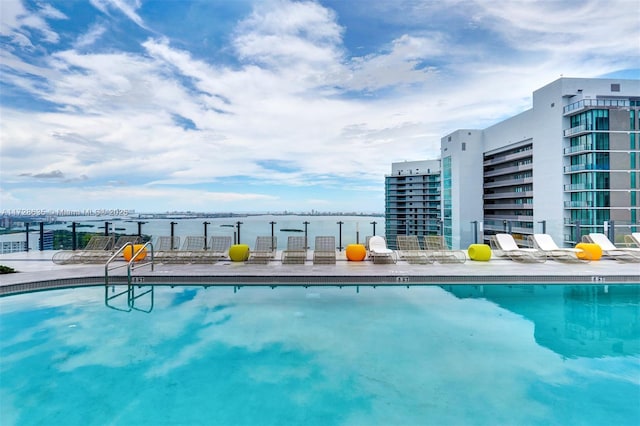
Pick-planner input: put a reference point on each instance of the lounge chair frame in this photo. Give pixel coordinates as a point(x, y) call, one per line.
point(410, 251)
point(296, 251)
point(628, 254)
point(264, 250)
point(546, 244)
point(507, 246)
point(379, 252)
point(439, 251)
point(97, 250)
point(324, 250)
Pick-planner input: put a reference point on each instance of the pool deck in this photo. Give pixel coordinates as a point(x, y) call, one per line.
point(37, 271)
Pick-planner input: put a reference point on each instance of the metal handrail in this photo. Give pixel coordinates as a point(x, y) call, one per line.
point(129, 263)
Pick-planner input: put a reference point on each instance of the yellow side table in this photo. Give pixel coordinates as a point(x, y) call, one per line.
point(239, 252)
point(479, 252)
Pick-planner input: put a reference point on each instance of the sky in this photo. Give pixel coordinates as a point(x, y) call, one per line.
point(267, 106)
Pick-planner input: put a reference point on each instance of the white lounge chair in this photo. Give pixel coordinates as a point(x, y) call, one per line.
point(508, 246)
point(628, 254)
point(545, 243)
point(379, 252)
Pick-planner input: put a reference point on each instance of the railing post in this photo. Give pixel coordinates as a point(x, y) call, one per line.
point(340, 235)
point(475, 231)
point(27, 235)
point(172, 234)
point(612, 231)
point(205, 223)
point(306, 240)
point(41, 236)
point(374, 227)
point(272, 231)
point(140, 228)
point(238, 223)
point(74, 244)
point(106, 228)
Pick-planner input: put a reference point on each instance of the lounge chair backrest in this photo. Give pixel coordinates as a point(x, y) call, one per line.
point(167, 243)
point(636, 238)
point(544, 242)
point(602, 240)
point(220, 244)
point(327, 243)
point(408, 242)
point(193, 243)
point(435, 242)
point(506, 242)
point(296, 243)
point(124, 239)
point(377, 243)
point(99, 242)
point(265, 244)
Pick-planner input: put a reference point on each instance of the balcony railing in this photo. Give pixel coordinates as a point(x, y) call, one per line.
point(583, 167)
point(595, 103)
point(579, 204)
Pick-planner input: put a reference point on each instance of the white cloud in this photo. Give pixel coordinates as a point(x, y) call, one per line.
point(17, 22)
point(91, 36)
point(294, 95)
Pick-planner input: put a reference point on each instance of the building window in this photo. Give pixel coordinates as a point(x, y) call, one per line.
point(615, 87)
point(464, 146)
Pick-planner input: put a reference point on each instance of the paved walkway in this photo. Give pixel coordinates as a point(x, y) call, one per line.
point(37, 271)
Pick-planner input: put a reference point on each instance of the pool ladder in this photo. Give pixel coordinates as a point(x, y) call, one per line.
point(132, 283)
point(131, 264)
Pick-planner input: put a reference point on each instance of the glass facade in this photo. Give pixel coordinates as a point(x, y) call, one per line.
point(598, 191)
point(447, 221)
point(412, 205)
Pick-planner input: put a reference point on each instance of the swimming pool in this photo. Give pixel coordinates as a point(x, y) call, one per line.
point(460, 354)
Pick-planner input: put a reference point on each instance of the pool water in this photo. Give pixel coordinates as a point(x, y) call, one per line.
point(482, 355)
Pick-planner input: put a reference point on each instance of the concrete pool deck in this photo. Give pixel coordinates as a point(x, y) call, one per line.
point(36, 271)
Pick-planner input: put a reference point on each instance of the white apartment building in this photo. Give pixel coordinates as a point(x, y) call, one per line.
point(570, 165)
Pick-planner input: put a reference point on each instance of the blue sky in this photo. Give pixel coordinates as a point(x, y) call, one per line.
point(240, 105)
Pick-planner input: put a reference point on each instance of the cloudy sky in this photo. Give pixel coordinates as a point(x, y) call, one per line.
point(244, 105)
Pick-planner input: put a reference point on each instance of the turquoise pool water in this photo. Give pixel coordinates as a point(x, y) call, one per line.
point(482, 355)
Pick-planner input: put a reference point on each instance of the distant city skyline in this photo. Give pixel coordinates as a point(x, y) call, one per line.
point(258, 106)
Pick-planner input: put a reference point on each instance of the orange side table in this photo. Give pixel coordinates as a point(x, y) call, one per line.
point(589, 251)
point(356, 252)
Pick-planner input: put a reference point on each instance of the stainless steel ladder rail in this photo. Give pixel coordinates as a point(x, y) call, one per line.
point(131, 264)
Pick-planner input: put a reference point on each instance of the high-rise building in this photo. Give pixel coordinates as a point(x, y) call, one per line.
point(412, 199)
point(568, 166)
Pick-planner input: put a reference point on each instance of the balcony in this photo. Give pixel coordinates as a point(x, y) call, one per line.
point(502, 195)
point(508, 170)
point(508, 206)
point(586, 167)
point(585, 147)
point(595, 103)
point(508, 157)
point(507, 182)
point(579, 204)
